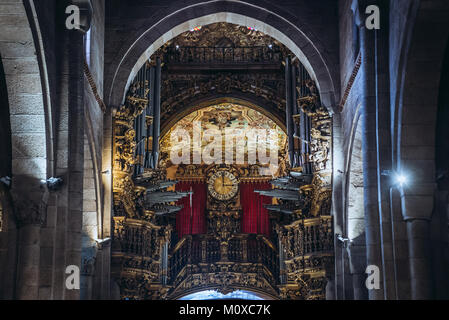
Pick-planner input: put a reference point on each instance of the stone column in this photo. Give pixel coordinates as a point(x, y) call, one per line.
point(357, 266)
point(76, 152)
point(377, 147)
point(384, 147)
point(69, 125)
point(30, 214)
point(102, 283)
point(417, 206)
point(87, 275)
point(370, 150)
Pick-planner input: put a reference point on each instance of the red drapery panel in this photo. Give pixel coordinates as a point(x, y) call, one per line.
point(192, 220)
point(255, 217)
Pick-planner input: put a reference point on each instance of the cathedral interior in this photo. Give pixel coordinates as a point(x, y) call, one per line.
point(207, 150)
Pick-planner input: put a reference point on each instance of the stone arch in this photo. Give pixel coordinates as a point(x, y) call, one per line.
point(21, 50)
point(30, 136)
point(300, 41)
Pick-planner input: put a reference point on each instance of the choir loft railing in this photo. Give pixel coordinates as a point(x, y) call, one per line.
point(202, 249)
point(309, 237)
point(141, 249)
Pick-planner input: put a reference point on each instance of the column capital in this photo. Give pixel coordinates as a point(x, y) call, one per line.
point(29, 212)
point(30, 207)
point(417, 202)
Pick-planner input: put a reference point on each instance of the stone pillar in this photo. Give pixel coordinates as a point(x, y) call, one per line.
point(77, 118)
point(370, 150)
point(419, 256)
point(30, 215)
point(384, 147)
point(357, 266)
point(87, 277)
point(69, 125)
point(102, 282)
point(46, 263)
point(417, 206)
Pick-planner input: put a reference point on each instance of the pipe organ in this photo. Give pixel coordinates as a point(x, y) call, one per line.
point(152, 259)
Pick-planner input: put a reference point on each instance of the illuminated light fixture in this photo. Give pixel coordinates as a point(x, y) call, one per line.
point(401, 179)
point(270, 46)
point(196, 29)
point(251, 28)
point(398, 179)
point(177, 47)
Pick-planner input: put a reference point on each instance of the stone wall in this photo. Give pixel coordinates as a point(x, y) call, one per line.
point(396, 52)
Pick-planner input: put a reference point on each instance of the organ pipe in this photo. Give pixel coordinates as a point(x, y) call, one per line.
point(157, 113)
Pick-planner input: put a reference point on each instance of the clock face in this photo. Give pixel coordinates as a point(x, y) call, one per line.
point(223, 186)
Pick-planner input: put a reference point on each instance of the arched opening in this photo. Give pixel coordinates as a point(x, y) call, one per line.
point(173, 120)
point(138, 50)
point(201, 156)
point(199, 224)
point(220, 116)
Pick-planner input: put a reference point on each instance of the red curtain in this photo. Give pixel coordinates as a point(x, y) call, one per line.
point(192, 219)
point(255, 217)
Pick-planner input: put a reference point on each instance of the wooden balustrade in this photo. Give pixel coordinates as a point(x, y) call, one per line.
point(311, 236)
point(138, 238)
point(243, 248)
